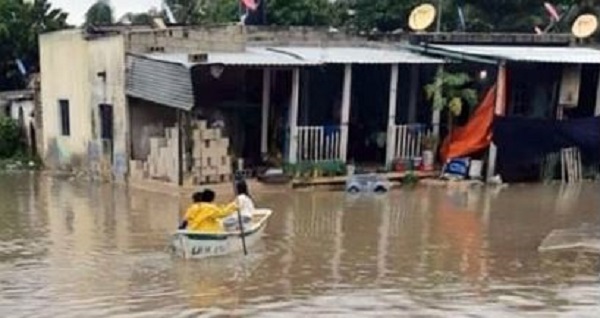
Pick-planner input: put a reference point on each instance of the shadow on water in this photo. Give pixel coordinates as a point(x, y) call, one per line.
point(79, 249)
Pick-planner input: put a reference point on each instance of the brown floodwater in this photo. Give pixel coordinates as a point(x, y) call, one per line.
point(75, 249)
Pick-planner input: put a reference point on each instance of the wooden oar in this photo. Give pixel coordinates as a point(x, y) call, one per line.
point(239, 213)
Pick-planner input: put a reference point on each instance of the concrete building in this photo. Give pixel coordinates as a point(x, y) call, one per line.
point(110, 94)
point(105, 93)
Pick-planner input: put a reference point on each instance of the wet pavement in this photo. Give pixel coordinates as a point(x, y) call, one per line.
point(75, 249)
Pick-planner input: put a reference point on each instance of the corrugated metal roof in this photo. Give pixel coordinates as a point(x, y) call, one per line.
point(541, 54)
point(357, 55)
point(251, 57)
point(302, 56)
point(169, 84)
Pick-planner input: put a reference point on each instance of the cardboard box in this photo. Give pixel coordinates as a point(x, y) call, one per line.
point(200, 125)
point(211, 134)
point(209, 171)
point(196, 135)
point(156, 144)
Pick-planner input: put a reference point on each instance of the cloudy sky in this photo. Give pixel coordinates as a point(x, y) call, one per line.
point(77, 8)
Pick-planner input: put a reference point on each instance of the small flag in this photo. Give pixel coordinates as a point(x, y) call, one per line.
point(21, 67)
point(552, 11)
point(250, 4)
point(461, 18)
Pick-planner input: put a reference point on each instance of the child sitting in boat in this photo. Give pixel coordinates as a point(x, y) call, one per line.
point(244, 204)
point(205, 216)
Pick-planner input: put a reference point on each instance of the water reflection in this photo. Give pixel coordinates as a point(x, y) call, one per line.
point(78, 249)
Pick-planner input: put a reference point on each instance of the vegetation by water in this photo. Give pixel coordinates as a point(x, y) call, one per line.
point(14, 154)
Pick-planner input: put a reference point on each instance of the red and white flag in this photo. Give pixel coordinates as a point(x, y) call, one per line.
point(250, 4)
point(552, 11)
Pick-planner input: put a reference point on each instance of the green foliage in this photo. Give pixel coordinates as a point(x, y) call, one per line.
point(299, 12)
point(20, 23)
point(449, 90)
point(410, 179)
point(138, 18)
point(10, 138)
point(100, 13)
point(308, 170)
point(383, 15)
point(187, 11)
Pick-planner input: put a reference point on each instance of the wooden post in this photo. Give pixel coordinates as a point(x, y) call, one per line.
point(293, 117)
point(179, 147)
point(346, 100)
point(499, 110)
point(266, 101)
point(391, 135)
point(414, 93)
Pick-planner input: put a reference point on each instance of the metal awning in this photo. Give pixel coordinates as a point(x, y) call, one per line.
point(161, 82)
point(255, 56)
point(356, 55)
point(165, 78)
point(536, 54)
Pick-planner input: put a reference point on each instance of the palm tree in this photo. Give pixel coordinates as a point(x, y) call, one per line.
point(448, 90)
point(20, 24)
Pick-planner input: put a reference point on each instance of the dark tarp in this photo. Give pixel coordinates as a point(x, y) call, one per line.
point(523, 141)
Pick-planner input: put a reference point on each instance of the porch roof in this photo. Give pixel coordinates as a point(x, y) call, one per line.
point(536, 54)
point(252, 56)
point(357, 55)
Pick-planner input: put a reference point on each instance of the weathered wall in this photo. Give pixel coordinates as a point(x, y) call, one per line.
point(106, 56)
point(147, 120)
point(188, 40)
point(298, 35)
point(71, 69)
point(64, 75)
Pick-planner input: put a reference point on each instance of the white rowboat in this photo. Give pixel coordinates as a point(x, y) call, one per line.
point(197, 245)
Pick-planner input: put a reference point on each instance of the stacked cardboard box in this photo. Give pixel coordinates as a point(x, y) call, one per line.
point(162, 161)
point(211, 162)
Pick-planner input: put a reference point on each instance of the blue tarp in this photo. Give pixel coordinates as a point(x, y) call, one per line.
point(523, 140)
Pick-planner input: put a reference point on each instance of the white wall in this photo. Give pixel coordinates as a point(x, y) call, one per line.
point(69, 70)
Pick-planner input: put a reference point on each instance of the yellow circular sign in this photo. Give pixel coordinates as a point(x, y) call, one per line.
point(421, 17)
point(585, 25)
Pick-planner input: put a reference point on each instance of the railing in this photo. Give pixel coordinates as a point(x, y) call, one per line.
point(319, 143)
point(408, 140)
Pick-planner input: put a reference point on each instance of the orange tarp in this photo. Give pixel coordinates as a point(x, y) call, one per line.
point(475, 135)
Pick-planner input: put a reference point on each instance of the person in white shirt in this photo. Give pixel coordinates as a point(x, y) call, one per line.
point(245, 206)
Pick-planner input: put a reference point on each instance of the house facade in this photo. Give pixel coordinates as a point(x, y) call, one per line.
point(301, 94)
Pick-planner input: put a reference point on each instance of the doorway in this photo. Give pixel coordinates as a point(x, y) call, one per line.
point(106, 129)
point(368, 114)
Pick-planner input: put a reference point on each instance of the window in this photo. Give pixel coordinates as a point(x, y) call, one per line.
point(65, 121)
point(106, 121)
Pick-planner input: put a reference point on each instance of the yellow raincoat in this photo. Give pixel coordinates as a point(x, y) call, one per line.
point(206, 217)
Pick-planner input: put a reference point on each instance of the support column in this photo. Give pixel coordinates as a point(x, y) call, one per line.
point(414, 93)
point(597, 111)
point(293, 117)
point(266, 101)
point(180, 147)
point(436, 113)
point(499, 110)
point(346, 100)
point(391, 133)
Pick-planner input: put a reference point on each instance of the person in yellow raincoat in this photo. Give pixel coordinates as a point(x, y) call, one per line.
point(204, 215)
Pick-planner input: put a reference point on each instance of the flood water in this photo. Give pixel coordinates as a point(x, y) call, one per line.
point(74, 249)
